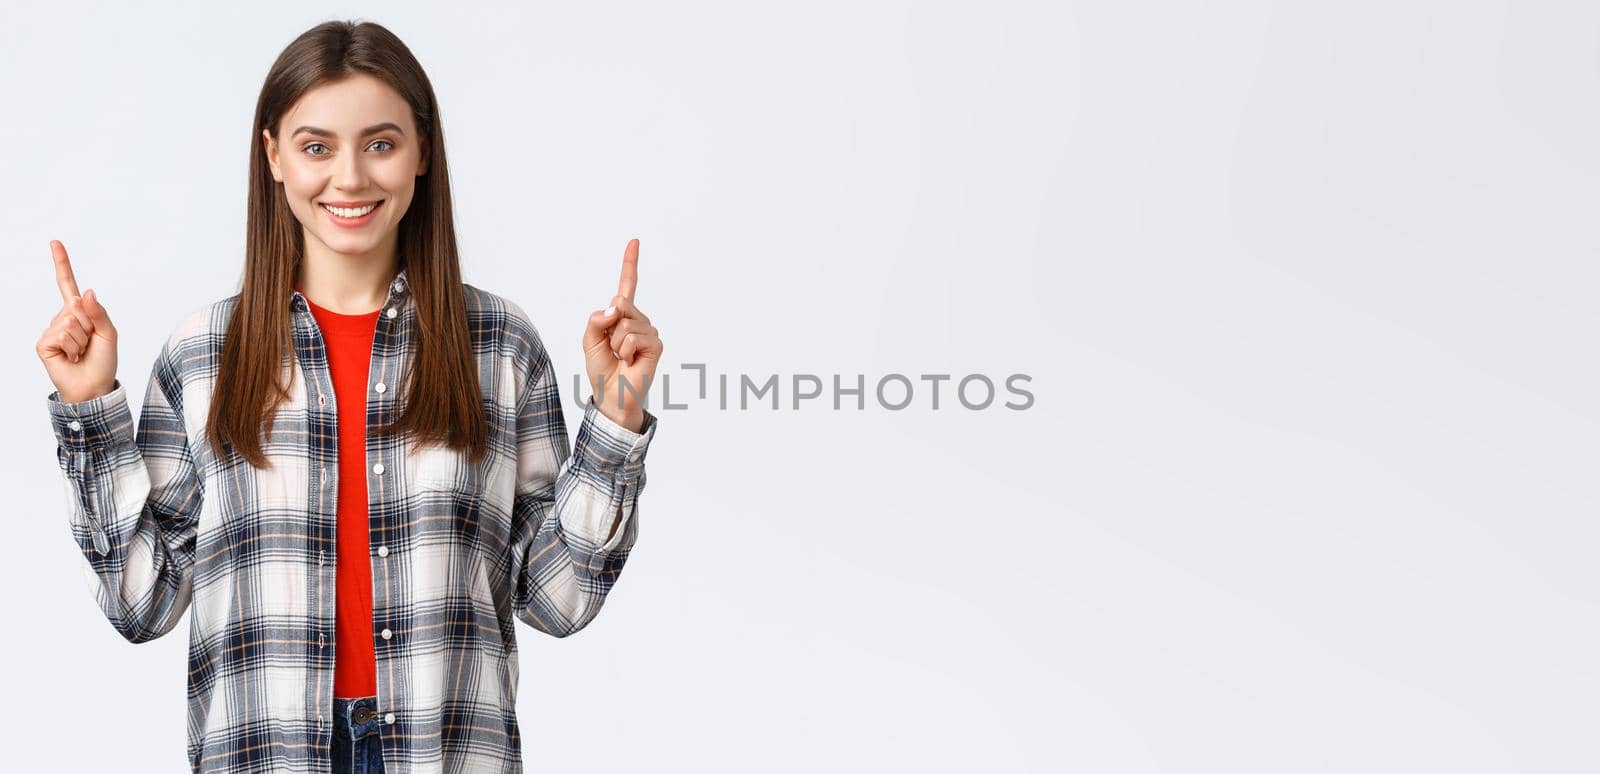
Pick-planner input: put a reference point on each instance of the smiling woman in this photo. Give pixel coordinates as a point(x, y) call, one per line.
point(349, 186)
point(350, 174)
point(355, 471)
point(347, 119)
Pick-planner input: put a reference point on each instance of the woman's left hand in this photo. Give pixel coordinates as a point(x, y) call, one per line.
point(621, 350)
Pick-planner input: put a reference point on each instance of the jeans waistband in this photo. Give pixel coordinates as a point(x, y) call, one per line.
point(355, 718)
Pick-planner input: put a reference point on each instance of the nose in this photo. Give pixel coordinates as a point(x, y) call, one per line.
point(350, 173)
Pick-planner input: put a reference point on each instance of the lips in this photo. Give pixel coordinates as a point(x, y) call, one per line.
point(351, 213)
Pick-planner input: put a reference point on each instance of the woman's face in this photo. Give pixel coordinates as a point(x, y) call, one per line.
point(350, 145)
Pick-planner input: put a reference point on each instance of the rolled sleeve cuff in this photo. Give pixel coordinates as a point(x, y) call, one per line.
point(93, 423)
point(610, 449)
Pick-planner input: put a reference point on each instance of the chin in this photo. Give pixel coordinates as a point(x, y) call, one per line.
point(352, 248)
point(345, 244)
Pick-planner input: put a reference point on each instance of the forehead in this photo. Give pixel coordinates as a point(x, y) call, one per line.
point(348, 106)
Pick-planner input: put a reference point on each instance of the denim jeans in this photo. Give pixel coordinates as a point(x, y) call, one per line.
point(357, 748)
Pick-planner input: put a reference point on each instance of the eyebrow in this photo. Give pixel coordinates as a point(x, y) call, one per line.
point(374, 129)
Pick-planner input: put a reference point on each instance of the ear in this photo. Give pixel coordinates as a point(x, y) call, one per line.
point(272, 154)
point(422, 161)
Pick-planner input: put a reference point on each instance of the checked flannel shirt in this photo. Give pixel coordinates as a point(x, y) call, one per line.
point(458, 551)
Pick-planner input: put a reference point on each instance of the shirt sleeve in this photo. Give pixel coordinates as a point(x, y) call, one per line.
point(133, 500)
point(565, 554)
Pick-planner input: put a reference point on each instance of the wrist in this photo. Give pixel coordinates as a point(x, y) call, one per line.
point(633, 421)
point(86, 395)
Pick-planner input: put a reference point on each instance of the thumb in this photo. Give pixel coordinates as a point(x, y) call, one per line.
point(594, 335)
point(97, 313)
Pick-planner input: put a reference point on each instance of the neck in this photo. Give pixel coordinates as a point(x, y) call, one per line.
point(347, 283)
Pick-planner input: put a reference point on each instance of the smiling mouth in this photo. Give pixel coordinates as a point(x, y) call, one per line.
point(352, 213)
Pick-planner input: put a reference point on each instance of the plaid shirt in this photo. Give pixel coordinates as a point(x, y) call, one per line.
point(458, 551)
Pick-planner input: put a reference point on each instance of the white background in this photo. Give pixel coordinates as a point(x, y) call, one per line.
point(1305, 291)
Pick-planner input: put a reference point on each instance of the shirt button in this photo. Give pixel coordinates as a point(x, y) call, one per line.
point(389, 718)
point(378, 468)
point(392, 312)
point(383, 550)
point(379, 387)
point(321, 640)
point(386, 634)
point(324, 477)
point(322, 400)
point(322, 557)
point(75, 425)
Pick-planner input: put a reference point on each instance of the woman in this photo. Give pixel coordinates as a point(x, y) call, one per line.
point(354, 472)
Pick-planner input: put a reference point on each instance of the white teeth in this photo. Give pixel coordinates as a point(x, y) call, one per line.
point(350, 213)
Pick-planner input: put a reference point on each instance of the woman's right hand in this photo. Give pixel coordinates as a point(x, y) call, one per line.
point(79, 348)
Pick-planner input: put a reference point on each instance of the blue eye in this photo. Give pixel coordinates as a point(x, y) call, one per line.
point(308, 147)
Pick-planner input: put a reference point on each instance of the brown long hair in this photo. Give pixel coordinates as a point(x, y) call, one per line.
point(442, 399)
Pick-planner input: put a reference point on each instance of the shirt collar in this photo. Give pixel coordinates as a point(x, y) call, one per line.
point(397, 291)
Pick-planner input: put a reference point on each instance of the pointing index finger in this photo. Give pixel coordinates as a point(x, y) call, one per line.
point(630, 271)
point(64, 279)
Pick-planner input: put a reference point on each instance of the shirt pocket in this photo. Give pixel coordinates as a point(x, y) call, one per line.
point(433, 467)
point(436, 471)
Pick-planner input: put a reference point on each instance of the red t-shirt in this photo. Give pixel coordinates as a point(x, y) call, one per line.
point(348, 338)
